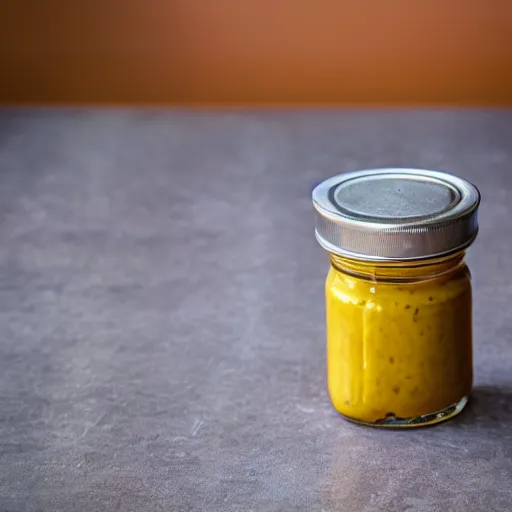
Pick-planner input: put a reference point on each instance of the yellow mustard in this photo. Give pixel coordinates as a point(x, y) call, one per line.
point(398, 349)
point(398, 295)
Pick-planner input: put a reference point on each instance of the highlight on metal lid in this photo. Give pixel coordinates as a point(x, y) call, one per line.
point(395, 214)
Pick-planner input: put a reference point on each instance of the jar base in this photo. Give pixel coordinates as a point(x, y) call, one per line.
point(417, 421)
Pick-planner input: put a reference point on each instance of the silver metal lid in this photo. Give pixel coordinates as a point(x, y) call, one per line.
point(395, 214)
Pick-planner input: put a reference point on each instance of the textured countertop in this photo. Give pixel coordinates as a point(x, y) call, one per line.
point(162, 319)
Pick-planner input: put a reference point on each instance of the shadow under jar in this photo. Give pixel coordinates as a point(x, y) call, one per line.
point(398, 294)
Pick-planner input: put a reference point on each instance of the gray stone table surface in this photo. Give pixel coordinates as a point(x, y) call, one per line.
point(162, 319)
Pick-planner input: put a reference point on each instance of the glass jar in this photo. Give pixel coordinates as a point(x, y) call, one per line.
point(398, 294)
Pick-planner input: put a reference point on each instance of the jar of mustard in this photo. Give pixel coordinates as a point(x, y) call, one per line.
point(398, 294)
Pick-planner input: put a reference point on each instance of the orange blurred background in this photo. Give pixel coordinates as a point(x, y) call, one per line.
point(256, 52)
